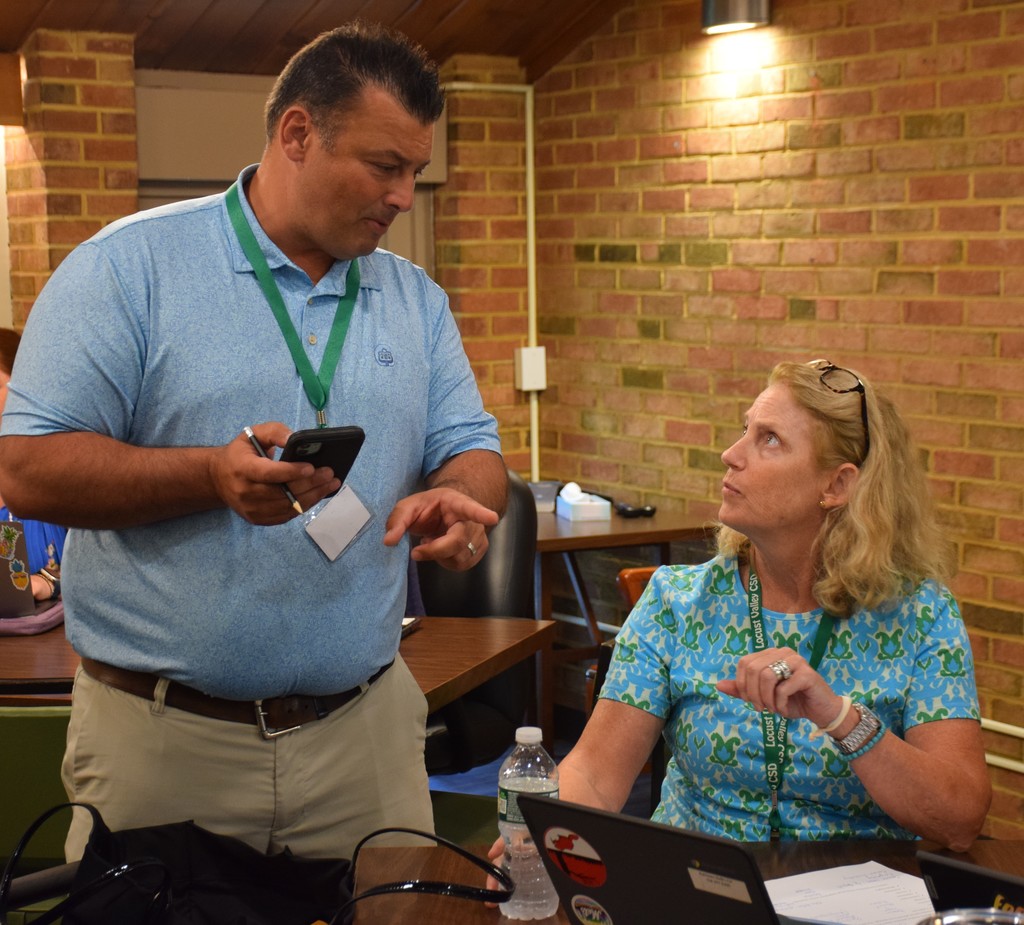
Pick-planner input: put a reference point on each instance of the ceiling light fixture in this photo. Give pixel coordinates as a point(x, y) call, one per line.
point(733, 15)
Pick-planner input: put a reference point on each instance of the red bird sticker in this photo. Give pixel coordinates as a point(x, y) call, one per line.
point(575, 857)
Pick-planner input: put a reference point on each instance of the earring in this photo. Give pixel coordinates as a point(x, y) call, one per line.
point(821, 504)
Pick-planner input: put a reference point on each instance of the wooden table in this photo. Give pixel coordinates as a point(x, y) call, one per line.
point(780, 859)
point(448, 656)
point(559, 539)
point(384, 865)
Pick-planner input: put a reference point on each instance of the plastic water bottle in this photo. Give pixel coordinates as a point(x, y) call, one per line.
point(528, 769)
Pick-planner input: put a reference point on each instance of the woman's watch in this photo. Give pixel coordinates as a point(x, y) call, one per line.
point(864, 730)
point(53, 580)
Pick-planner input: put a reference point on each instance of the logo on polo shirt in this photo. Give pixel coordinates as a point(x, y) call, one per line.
point(384, 356)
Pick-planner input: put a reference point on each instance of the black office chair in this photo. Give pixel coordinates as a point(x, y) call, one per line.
point(480, 726)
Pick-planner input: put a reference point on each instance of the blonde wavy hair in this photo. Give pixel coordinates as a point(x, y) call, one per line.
point(886, 540)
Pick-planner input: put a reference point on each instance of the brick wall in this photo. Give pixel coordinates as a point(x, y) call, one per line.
point(848, 183)
point(72, 169)
point(480, 234)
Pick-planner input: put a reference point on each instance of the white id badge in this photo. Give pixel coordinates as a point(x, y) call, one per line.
point(334, 523)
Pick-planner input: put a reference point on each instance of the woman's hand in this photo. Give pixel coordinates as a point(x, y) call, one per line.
point(934, 782)
point(494, 856)
point(42, 590)
point(804, 694)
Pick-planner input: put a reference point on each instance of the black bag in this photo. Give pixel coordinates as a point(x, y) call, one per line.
point(182, 874)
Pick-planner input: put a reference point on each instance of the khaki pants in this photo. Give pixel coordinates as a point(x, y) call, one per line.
point(317, 790)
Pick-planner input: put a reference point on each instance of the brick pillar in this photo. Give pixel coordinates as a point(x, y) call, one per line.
point(73, 168)
point(480, 235)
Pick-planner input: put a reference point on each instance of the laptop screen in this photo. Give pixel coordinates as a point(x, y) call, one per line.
point(956, 884)
point(611, 869)
point(16, 598)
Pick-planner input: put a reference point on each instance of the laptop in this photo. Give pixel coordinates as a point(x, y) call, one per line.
point(16, 598)
point(610, 868)
point(956, 884)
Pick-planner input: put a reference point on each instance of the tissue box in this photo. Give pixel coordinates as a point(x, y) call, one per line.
point(586, 507)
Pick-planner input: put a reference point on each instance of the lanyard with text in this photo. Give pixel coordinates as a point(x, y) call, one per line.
point(317, 385)
point(773, 727)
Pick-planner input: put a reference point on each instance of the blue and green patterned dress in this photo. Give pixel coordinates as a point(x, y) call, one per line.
point(910, 665)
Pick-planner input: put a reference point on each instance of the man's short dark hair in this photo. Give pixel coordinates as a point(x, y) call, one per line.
point(328, 75)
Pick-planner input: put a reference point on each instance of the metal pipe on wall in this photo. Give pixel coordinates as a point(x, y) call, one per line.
point(1006, 729)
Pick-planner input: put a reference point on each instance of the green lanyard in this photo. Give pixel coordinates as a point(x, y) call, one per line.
point(773, 727)
point(317, 385)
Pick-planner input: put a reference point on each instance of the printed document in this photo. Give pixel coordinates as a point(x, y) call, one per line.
point(858, 894)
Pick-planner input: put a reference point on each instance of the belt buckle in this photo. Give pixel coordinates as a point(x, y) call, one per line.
point(266, 731)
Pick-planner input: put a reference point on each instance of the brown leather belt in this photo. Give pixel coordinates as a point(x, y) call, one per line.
point(274, 716)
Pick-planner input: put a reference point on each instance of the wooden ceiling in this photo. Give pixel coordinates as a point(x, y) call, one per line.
point(258, 36)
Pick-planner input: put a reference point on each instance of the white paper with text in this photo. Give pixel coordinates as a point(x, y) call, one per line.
point(857, 894)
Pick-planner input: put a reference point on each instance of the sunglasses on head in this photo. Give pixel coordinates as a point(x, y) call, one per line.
point(842, 381)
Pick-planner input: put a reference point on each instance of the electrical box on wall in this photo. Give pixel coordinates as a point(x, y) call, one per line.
point(530, 369)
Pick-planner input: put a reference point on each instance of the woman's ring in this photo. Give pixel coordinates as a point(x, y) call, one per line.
point(782, 671)
point(471, 548)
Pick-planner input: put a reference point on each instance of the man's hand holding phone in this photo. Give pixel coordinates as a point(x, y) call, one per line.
point(253, 485)
point(333, 447)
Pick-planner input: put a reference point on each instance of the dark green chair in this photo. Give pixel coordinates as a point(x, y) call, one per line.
point(467, 819)
point(33, 745)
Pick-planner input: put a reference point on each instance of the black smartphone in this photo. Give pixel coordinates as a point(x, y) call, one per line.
point(334, 447)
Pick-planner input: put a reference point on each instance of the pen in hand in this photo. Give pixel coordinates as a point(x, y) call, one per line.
point(259, 449)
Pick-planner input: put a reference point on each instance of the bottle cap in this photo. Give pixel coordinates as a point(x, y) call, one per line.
point(529, 735)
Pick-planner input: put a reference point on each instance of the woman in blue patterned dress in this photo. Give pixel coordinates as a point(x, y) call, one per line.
point(814, 680)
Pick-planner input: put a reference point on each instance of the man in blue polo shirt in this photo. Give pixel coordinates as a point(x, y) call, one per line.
point(210, 616)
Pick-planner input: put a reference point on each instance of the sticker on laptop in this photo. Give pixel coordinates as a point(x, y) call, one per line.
point(575, 857)
point(710, 881)
point(19, 577)
point(589, 911)
point(8, 540)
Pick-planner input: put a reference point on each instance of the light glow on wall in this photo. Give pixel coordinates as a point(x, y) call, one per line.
point(744, 52)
